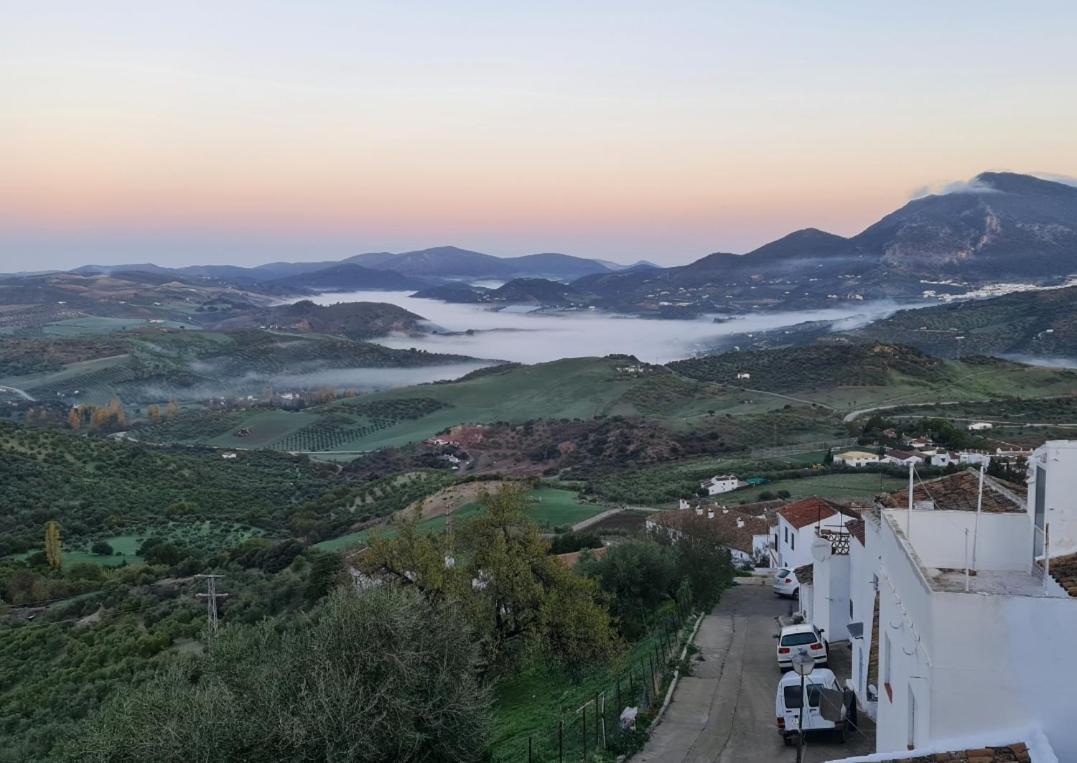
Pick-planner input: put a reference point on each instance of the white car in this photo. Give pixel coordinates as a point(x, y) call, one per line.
point(830, 708)
point(802, 637)
point(785, 583)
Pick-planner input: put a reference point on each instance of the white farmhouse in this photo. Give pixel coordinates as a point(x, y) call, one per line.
point(903, 457)
point(980, 426)
point(723, 483)
point(856, 458)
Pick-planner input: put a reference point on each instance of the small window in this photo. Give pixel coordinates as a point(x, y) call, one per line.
point(799, 639)
point(786, 529)
point(850, 610)
point(793, 543)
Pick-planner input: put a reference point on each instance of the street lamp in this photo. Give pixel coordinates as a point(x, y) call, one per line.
point(803, 664)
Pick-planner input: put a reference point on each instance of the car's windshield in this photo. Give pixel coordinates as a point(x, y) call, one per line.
point(798, 639)
point(781, 573)
point(792, 696)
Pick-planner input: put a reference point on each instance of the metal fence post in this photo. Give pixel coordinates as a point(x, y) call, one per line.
point(584, 727)
point(561, 740)
point(529, 750)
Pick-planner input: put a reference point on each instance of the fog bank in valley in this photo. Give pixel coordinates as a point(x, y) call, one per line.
point(533, 337)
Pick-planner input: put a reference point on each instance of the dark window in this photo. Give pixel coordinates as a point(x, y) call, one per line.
point(792, 695)
point(793, 543)
point(798, 639)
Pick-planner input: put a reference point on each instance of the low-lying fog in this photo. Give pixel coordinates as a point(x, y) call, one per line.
point(532, 337)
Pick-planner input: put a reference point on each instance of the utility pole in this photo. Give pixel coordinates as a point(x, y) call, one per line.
point(211, 597)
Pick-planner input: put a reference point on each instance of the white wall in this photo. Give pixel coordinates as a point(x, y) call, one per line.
point(1059, 460)
point(863, 565)
point(1004, 540)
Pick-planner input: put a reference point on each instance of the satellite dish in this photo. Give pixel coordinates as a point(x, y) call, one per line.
point(803, 663)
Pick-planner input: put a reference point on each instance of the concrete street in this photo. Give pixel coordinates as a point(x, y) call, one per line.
point(724, 711)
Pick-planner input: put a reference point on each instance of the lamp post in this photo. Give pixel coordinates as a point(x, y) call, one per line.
point(803, 664)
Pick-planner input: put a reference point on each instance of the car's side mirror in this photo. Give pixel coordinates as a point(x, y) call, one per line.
point(776, 635)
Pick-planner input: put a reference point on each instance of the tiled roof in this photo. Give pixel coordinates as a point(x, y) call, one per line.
point(804, 512)
point(731, 528)
point(856, 529)
point(1012, 753)
point(805, 574)
point(1064, 571)
point(957, 492)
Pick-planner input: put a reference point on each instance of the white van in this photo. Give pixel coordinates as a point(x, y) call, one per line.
point(830, 708)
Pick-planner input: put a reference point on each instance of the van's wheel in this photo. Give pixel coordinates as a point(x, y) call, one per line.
point(843, 735)
point(796, 594)
point(850, 715)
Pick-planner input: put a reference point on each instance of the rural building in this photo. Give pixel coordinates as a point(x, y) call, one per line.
point(723, 483)
point(979, 426)
point(744, 375)
point(902, 457)
point(795, 528)
point(856, 458)
point(955, 609)
point(746, 536)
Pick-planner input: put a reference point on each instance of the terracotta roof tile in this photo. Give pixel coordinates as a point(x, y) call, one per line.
point(570, 559)
point(1011, 753)
point(1064, 571)
point(730, 527)
point(807, 511)
point(958, 492)
point(856, 529)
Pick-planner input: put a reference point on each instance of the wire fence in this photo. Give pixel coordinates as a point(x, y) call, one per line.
point(594, 729)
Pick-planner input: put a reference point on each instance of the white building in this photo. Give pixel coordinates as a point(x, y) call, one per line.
point(796, 526)
point(723, 483)
point(902, 458)
point(957, 629)
point(856, 458)
point(979, 426)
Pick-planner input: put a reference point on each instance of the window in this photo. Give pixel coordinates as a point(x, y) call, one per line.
point(798, 639)
point(786, 529)
point(793, 542)
point(793, 697)
point(850, 610)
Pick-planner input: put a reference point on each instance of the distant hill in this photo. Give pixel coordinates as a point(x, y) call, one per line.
point(1033, 323)
point(815, 366)
point(349, 276)
point(518, 291)
point(453, 262)
point(353, 320)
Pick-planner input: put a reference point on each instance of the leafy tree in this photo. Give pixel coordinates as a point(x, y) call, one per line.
point(53, 549)
point(639, 575)
point(102, 548)
point(374, 676)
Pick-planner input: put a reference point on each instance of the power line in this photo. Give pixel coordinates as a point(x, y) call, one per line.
point(211, 597)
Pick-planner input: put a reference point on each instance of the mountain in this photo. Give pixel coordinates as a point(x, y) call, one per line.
point(348, 276)
point(1003, 225)
point(454, 263)
point(1000, 226)
point(518, 291)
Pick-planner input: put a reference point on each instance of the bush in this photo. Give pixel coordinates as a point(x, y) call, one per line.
point(101, 548)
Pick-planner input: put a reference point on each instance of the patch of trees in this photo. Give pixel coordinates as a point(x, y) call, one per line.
point(386, 674)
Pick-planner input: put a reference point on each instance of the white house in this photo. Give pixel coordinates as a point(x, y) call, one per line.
point(795, 529)
point(902, 458)
point(957, 608)
point(830, 583)
point(856, 458)
point(743, 375)
point(723, 483)
point(980, 426)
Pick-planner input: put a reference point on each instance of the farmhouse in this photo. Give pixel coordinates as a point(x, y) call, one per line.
point(723, 483)
point(980, 426)
point(796, 525)
point(856, 458)
point(902, 458)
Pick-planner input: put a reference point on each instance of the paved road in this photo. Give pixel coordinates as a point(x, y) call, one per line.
point(724, 711)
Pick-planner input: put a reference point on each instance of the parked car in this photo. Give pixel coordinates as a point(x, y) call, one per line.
point(802, 637)
point(830, 708)
point(786, 584)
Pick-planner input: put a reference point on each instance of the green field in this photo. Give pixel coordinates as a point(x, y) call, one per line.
point(97, 325)
point(549, 508)
point(840, 487)
point(266, 428)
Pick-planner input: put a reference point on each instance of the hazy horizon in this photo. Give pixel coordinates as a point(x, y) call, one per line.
point(253, 132)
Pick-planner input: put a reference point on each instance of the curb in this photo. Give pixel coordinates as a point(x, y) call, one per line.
point(676, 675)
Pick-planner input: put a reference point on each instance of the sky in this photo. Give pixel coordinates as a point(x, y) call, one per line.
point(246, 132)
